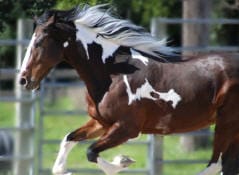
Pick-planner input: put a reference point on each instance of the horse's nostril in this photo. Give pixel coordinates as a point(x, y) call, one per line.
point(23, 81)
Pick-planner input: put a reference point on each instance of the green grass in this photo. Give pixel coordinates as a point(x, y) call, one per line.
point(56, 127)
point(7, 114)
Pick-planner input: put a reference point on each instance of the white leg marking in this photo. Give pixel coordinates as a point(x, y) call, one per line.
point(213, 169)
point(118, 164)
point(146, 90)
point(28, 53)
point(60, 163)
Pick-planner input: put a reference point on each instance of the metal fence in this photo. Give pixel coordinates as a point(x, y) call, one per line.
point(159, 28)
point(22, 131)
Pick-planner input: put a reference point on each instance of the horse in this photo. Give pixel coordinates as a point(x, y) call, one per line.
point(135, 84)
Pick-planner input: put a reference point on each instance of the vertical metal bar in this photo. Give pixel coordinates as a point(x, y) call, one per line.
point(151, 158)
point(156, 141)
point(24, 139)
point(155, 155)
point(158, 30)
point(41, 127)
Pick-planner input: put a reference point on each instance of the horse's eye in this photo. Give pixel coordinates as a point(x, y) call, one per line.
point(38, 42)
point(45, 30)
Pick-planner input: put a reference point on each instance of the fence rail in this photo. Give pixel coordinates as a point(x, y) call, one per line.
point(220, 21)
point(13, 42)
point(7, 73)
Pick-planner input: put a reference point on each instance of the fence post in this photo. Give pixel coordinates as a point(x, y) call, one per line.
point(24, 137)
point(156, 147)
point(155, 155)
point(195, 35)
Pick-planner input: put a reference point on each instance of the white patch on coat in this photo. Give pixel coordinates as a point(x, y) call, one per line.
point(139, 56)
point(88, 36)
point(60, 163)
point(28, 54)
point(214, 168)
point(146, 90)
point(66, 44)
point(208, 64)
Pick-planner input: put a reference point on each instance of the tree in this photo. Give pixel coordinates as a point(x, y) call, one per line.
point(139, 11)
point(10, 11)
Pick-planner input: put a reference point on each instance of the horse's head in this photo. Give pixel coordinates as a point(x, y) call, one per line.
point(46, 49)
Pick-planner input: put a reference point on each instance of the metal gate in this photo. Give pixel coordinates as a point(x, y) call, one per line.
point(23, 126)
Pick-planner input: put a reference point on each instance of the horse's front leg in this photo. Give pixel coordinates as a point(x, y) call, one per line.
point(90, 130)
point(116, 135)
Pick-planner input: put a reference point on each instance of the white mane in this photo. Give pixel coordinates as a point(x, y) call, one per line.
point(121, 32)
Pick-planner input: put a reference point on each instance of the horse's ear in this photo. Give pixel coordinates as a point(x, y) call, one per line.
point(35, 21)
point(51, 20)
point(35, 18)
point(50, 24)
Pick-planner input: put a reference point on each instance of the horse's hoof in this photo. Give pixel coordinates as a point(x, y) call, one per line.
point(68, 173)
point(63, 173)
point(60, 171)
point(123, 161)
point(118, 164)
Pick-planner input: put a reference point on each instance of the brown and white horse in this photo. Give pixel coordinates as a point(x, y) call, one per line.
point(135, 85)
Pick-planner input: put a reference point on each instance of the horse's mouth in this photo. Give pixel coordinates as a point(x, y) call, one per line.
point(32, 85)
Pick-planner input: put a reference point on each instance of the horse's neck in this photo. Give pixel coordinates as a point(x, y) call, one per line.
point(97, 84)
point(100, 59)
point(91, 71)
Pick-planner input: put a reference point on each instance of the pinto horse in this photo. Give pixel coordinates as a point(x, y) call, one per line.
point(135, 84)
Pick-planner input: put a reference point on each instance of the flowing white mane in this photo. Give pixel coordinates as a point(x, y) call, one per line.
point(122, 32)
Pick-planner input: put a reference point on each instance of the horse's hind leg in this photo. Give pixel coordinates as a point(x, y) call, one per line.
point(90, 130)
point(226, 131)
point(221, 141)
point(230, 159)
point(117, 134)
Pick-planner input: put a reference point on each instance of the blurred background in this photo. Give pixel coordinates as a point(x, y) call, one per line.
point(33, 124)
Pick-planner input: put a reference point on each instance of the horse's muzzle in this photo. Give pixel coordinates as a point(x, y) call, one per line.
point(29, 84)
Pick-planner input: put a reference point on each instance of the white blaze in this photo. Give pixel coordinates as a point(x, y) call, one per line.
point(139, 56)
point(28, 53)
point(146, 90)
point(88, 36)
